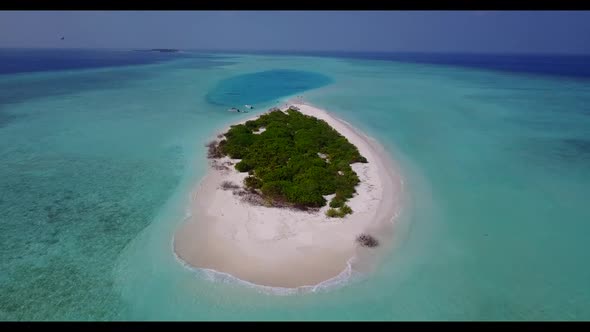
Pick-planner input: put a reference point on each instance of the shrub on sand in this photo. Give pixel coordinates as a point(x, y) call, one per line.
point(345, 209)
point(213, 151)
point(227, 185)
point(366, 240)
point(339, 213)
point(332, 213)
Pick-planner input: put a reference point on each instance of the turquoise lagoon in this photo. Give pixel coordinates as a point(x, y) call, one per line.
point(97, 165)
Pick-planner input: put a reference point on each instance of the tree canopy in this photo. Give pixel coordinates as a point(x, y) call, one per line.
point(296, 160)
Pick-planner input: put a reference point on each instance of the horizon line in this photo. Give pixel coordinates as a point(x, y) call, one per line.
point(221, 50)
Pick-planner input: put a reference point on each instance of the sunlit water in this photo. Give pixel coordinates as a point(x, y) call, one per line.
point(96, 167)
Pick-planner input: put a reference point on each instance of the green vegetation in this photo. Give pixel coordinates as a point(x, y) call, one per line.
point(253, 182)
point(339, 213)
point(296, 161)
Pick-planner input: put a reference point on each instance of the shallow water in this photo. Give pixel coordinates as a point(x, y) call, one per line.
point(97, 165)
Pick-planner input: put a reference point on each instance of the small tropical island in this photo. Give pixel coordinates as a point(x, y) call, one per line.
point(165, 50)
point(293, 198)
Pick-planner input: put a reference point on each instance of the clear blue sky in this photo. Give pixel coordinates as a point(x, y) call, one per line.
point(419, 31)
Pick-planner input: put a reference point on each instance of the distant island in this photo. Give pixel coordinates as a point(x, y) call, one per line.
point(160, 50)
point(293, 160)
point(291, 197)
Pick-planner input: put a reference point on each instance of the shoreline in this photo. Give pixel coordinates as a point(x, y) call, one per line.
point(276, 247)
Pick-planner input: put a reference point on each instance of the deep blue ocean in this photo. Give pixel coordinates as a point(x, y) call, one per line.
point(34, 60)
point(99, 151)
point(31, 60)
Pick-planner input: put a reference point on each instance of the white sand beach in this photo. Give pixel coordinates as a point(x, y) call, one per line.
point(286, 248)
